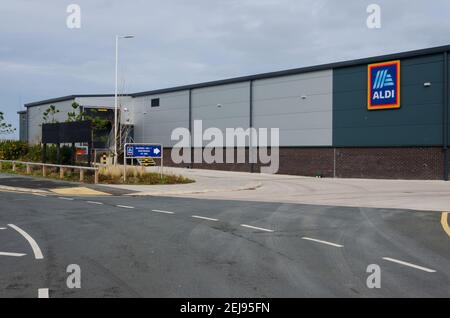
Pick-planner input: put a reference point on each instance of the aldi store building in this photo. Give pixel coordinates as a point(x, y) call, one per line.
point(381, 117)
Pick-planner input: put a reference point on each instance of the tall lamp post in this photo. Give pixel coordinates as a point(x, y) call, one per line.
point(118, 37)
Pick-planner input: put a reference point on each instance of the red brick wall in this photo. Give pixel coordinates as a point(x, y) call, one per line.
point(310, 162)
point(375, 163)
point(390, 163)
point(242, 167)
point(449, 167)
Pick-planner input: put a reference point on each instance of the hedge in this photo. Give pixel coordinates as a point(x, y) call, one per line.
point(13, 150)
point(19, 150)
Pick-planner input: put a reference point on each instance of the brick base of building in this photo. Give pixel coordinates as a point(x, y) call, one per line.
point(419, 163)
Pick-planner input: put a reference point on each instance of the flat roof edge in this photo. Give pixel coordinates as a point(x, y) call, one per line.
point(295, 71)
point(69, 97)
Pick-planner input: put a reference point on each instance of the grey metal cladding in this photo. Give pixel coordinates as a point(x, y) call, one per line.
point(222, 106)
point(155, 124)
point(418, 122)
point(299, 105)
point(23, 126)
point(35, 118)
point(102, 101)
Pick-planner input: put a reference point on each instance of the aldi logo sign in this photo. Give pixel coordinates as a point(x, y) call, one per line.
point(384, 85)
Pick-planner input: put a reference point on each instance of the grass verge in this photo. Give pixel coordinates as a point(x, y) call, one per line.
point(107, 175)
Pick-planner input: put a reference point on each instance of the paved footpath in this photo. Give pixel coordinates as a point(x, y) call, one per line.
point(401, 194)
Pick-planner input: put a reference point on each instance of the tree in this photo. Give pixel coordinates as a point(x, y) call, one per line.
point(76, 114)
point(97, 122)
point(49, 115)
point(5, 128)
point(99, 125)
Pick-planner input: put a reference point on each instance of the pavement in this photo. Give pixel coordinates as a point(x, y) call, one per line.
point(426, 195)
point(150, 246)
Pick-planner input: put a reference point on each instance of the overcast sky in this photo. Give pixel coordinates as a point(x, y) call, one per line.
point(188, 41)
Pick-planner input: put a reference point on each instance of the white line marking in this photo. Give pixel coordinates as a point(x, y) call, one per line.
point(43, 293)
point(93, 202)
point(125, 206)
point(2, 228)
point(161, 211)
point(256, 228)
point(323, 242)
point(68, 199)
point(12, 254)
point(409, 264)
point(36, 250)
point(204, 218)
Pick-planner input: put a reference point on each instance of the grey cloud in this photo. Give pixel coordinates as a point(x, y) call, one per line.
point(180, 42)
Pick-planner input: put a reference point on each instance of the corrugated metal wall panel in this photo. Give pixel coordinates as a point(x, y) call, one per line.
point(299, 105)
point(35, 118)
point(234, 111)
point(155, 124)
point(417, 123)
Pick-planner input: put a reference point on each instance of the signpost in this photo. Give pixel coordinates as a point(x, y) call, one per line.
point(82, 150)
point(142, 151)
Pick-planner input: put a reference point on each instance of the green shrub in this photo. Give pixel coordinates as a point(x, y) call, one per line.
point(66, 155)
point(13, 150)
point(51, 154)
point(18, 150)
point(34, 154)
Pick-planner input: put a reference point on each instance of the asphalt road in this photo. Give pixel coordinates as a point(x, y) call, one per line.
point(162, 247)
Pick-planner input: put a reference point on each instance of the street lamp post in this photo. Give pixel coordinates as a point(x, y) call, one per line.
point(116, 93)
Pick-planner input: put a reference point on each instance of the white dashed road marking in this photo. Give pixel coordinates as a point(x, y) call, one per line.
point(125, 206)
point(36, 250)
point(2, 228)
point(94, 202)
point(409, 265)
point(322, 242)
point(161, 211)
point(256, 228)
point(68, 199)
point(12, 254)
point(43, 293)
point(204, 218)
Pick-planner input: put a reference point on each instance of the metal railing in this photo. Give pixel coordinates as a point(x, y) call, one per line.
point(62, 168)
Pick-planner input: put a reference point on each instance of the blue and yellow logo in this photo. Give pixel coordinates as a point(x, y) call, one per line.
point(383, 85)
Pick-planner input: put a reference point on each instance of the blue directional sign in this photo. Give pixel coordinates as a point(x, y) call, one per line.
point(143, 151)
